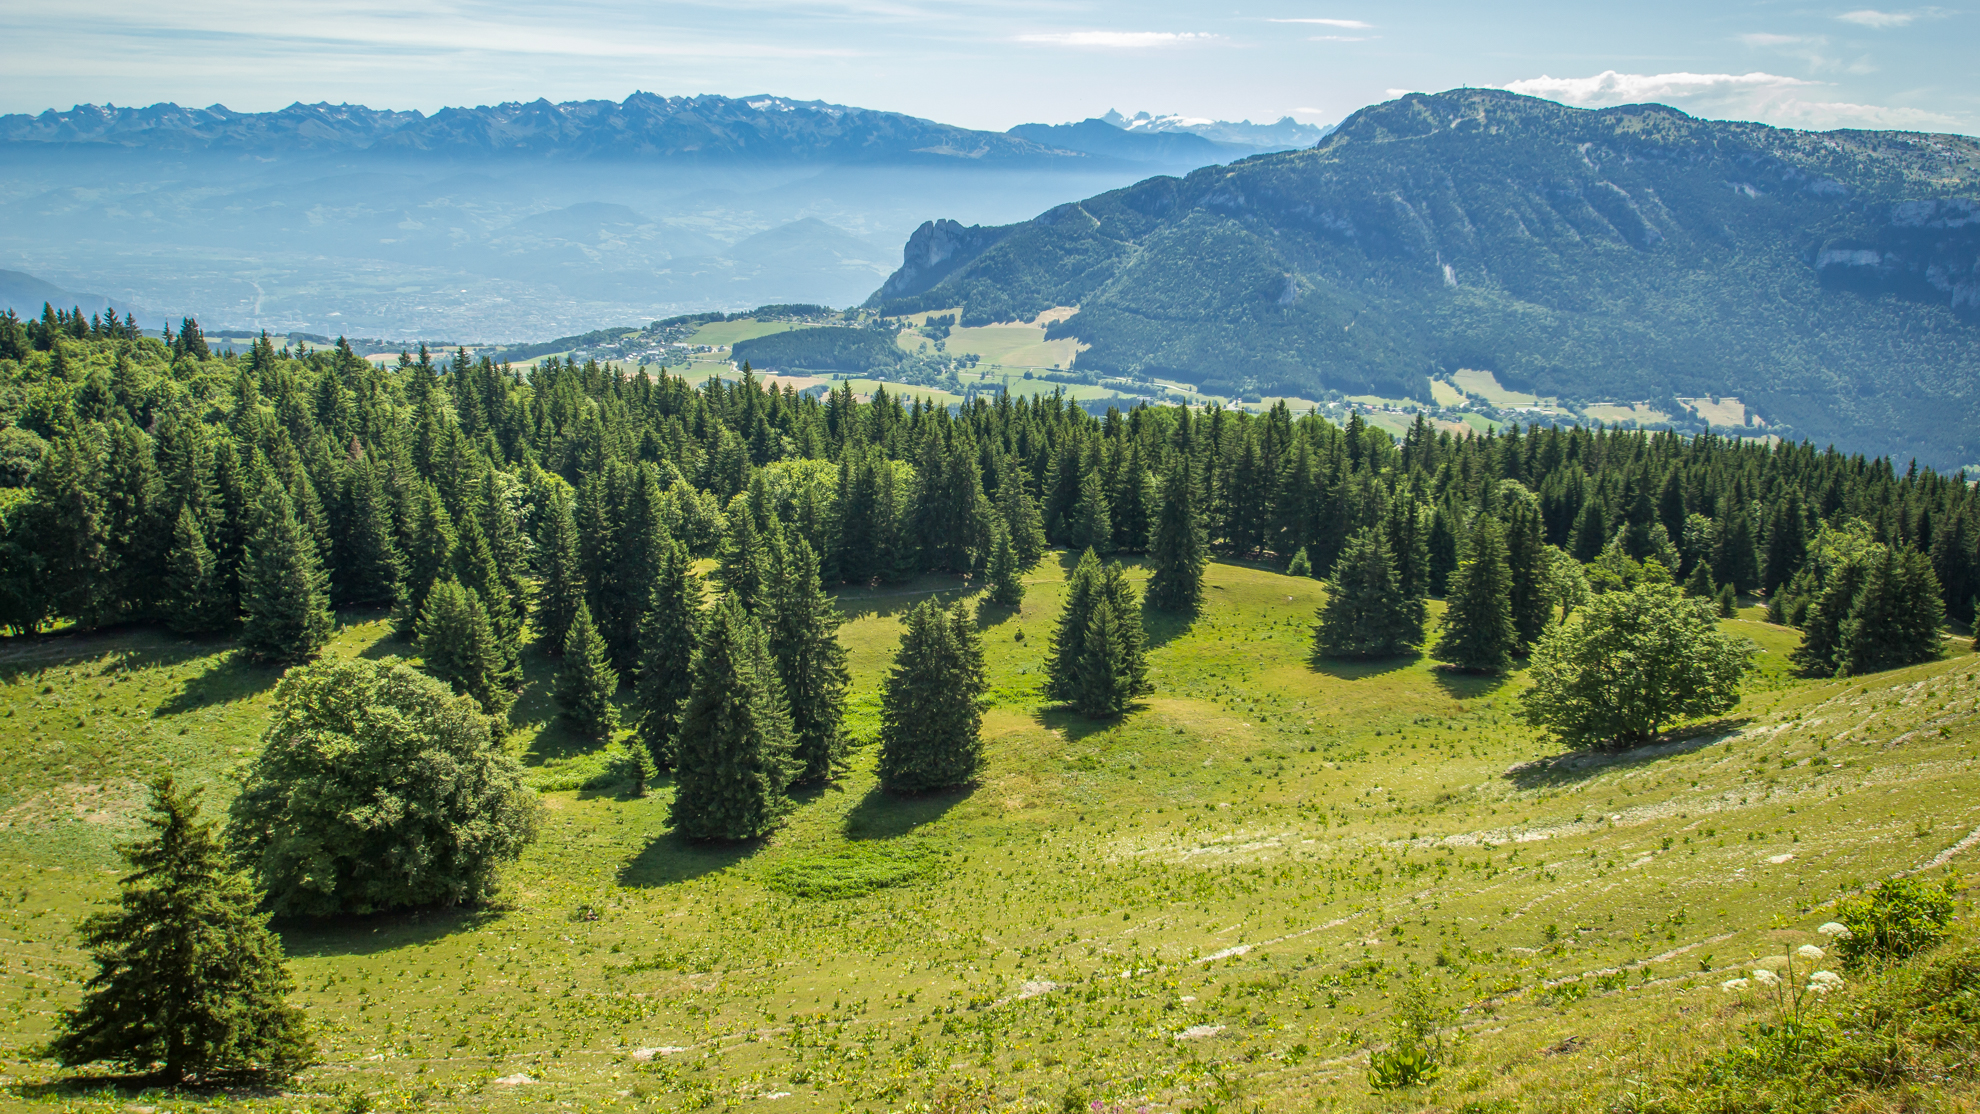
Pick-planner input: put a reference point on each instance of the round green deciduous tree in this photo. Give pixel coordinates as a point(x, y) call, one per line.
point(1637, 662)
point(378, 788)
point(189, 982)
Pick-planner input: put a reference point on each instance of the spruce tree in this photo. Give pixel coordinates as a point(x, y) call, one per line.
point(1367, 614)
point(1699, 584)
point(734, 763)
point(560, 578)
point(1090, 586)
point(930, 721)
point(1178, 549)
point(195, 601)
point(1477, 632)
point(459, 645)
point(1083, 593)
point(745, 567)
point(1020, 514)
point(668, 639)
point(1105, 688)
point(1006, 585)
point(1442, 545)
point(369, 567)
point(804, 638)
point(284, 594)
point(1091, 526)
point(429, 556)
point(1528, 563)
point(189, 981)
point(1299, 565)
point(585, 680)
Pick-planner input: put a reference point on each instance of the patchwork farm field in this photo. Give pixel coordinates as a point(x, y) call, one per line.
point(1210, 904)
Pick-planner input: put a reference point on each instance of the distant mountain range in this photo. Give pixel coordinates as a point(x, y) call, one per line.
point(1829, 280)
point(520, 221)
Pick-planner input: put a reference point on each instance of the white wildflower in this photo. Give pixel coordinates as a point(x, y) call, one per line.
point(1839, 931)
point(1765, 977)
point(1809, 951)
point(1823, 981)
point(1733, 986)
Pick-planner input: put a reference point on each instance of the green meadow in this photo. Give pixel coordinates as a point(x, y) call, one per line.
point(1209, 904)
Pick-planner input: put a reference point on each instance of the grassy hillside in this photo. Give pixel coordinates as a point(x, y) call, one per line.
point(1208, 905)
point(1621, 255)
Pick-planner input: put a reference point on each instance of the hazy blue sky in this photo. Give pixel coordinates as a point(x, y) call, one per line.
point(992, 65)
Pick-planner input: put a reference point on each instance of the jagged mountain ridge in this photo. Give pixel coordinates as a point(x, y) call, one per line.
point(1831, 280)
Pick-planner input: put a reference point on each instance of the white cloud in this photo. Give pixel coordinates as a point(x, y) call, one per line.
point(1768, 98)
point(1764, 39)
point(1348, 24)
point(1340, 38)
point(1119, 40)
point(1871, 17)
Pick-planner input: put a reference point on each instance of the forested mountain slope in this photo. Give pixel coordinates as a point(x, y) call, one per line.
point(1830, 280)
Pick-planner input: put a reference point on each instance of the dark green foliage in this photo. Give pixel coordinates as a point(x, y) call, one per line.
point(195, 598)
point(1020, 513)
point(1726, 603)
point(460, 646)
point(1477, 633)
point(1005, 577)
point(348, 734)
point(745, 570)
point(1367, 613)
point(1637, 662)
point(1178, 549)
point(929, 715)
point(559, 581)
point(284, 593)
point(429, 556)
point(804, 638)
point(1442, 544)
point(1527, 560)
point(820, 349)
point(1898, 919)
point(1091, 526)
point(586, 680)
point(668, 640)
point(1070, 669)
point(369, 568)
point(474, 566)
point(189, 982)
point(1299, 565)
point(734, 760)
point(1699, 585)
point(1862, 606)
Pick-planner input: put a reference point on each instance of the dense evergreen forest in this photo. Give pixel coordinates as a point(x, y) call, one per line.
point(152, 479)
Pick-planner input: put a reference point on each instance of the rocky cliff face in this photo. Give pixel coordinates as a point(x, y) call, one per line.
point(934, 252)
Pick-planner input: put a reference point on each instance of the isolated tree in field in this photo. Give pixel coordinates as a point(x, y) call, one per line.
point(585, 680)
point(1006, 583)
point(1367, 614)
point(189, 982)
point(348, 735)
point(560, 585)
point(804, 638)
point(1477, 632)
point(930, 720)
point(1299, 565)
point(195, 596)
point(668, 638)
point(284, 595)
point(459, 645)
point(1105, 685)
point(1178, 550)
point(734, 763)
point(1637, 662)
point(1068, 667)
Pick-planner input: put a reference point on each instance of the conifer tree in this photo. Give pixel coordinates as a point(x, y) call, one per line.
point(1088, 587)
point(459, 645)
point(745, 567)
point(804, 638)
point(369, 568)
point(189, 981)
point(1367, 614)
point(1091, 527)
point(1105, 688)
point(1699, 584)
point(1787, 543)
point(1006, 585)
point(668, 639)
point(585, 680)
point(1728, 605)
point(1442, 545)
point(1299, 565)
point(1021, 518)
point(1526, 559)
point(1409, 546)
point(429, 556)
point(1477, 632)
point(734, 763)
point(1178, 549)
point(195, 600)
point(930, 721)
point(560, 579)
point(1894, 620)
point(474, 567)
point(284, 593)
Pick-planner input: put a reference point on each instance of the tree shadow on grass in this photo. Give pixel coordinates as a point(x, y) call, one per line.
point(1071, 724)
point(372, 933)
point(231, 677)
point(1461, 685)
point(889, 601)
point(110, 1087)
point(1163, 627)
point(1354, 669)
point(124, 650)
point(884, 815)
point(674, 858)
point(1580, 765)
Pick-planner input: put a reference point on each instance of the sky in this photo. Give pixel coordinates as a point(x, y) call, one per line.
point(993, 65)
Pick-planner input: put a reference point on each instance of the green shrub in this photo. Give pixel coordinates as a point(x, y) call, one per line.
point(1897, 919)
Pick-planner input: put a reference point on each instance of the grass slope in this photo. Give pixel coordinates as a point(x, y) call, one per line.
point(1209, 901)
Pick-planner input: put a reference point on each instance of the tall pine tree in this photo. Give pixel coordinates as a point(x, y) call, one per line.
point(285, 596)
point(459, 645)
point(734, 762)
point(1367, 613)
point(804, 638)
point(560, 575)
point(668, 640)
point(1006, 583)
point(930, 721)
point(585, 679)
point(1178, 548)
point(195, 598)
point(1477, 632)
